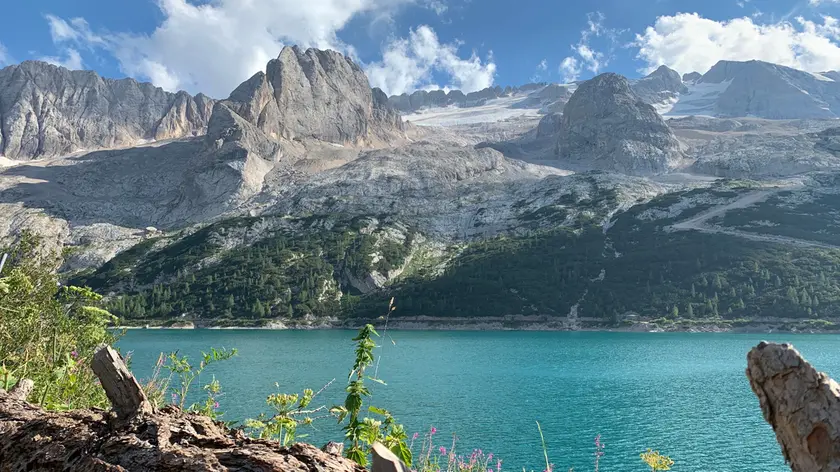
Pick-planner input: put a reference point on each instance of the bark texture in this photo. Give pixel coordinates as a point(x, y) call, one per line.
point(801, 404)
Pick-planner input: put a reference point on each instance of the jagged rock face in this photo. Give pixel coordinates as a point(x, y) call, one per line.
point(421, 99)
point(549, 125)
point(607, 126)
point(660, 85)
point(315, 94)
point(48, 111)
point(691, 77)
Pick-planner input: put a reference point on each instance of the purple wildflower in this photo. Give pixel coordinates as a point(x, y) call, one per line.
point(174, 398)
point(415, 436)
point(442, 451)
point(216, 405)
point(433, 430)
point(499, 465)
point(74, 354)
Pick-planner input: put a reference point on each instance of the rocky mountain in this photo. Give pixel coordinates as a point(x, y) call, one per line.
point(307, 194)
point(607, 126)
point(420, 99)
point(691, 77)
point(759, 89)
point(48, 111)
point(316, 94)
point(660, 86)
point(309, 105)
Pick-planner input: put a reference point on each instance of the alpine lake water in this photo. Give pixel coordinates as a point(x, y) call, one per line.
point(684, 394)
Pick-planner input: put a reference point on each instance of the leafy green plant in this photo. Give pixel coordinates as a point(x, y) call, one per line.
point(181, 376)
point(362, 432)
point(48, 332)
point(656, 461)
point(290, 412)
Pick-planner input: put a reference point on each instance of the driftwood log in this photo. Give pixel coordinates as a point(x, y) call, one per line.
point(141, 439)
point(801, 404)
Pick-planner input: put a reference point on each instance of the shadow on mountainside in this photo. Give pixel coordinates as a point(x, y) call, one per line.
point(167, 186)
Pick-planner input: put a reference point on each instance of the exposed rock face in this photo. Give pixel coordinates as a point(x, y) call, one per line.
point(660, 85)
point(801, 404)
point(315, 94)
point(607, 126)
point(48, 111)
point(549, 125)
point(691, 77)
point(707, 123)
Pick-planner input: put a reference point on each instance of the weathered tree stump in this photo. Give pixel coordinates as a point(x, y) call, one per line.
point(22, 390)
point(384, 460)
point(801, 404)
point(123, 390)
point(165, 440)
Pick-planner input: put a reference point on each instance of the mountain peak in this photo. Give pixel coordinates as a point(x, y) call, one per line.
point(320, 94)
point(606, 126)
point(113, 112)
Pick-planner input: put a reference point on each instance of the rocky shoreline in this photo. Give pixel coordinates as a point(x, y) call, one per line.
point(523, 323)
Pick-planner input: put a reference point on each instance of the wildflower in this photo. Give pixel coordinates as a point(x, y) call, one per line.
point(442, 451)
point(489, 457)
point(415, 436)
point(74, 354)
point(499, 465)
point(174, 398)
point(598, 442)
point(433, 430)
point(215, 405)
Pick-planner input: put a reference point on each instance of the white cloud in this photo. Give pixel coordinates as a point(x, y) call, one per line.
point(688, 42)
point(542, 67)
point(569, 69)
point(585, 57)
point(213, 47)
point(72, 61)
point(437, 6)
point(75, 31)
point(5, 58)
point(820, 2)
point(409, 64)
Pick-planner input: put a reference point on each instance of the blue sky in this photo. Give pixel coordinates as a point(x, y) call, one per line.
point(212, 45)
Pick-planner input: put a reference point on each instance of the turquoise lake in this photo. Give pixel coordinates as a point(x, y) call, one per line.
point(684, 394)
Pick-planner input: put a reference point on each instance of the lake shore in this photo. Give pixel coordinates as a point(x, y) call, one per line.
point(519, 323)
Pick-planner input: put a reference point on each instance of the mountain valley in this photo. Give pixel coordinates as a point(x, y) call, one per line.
point(306, 199)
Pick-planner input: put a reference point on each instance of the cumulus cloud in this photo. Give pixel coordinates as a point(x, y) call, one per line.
point(410, 63)
point(212, 47)
point(72, 60)
point(584, 57)
point(820, 2)
point(688, 42)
